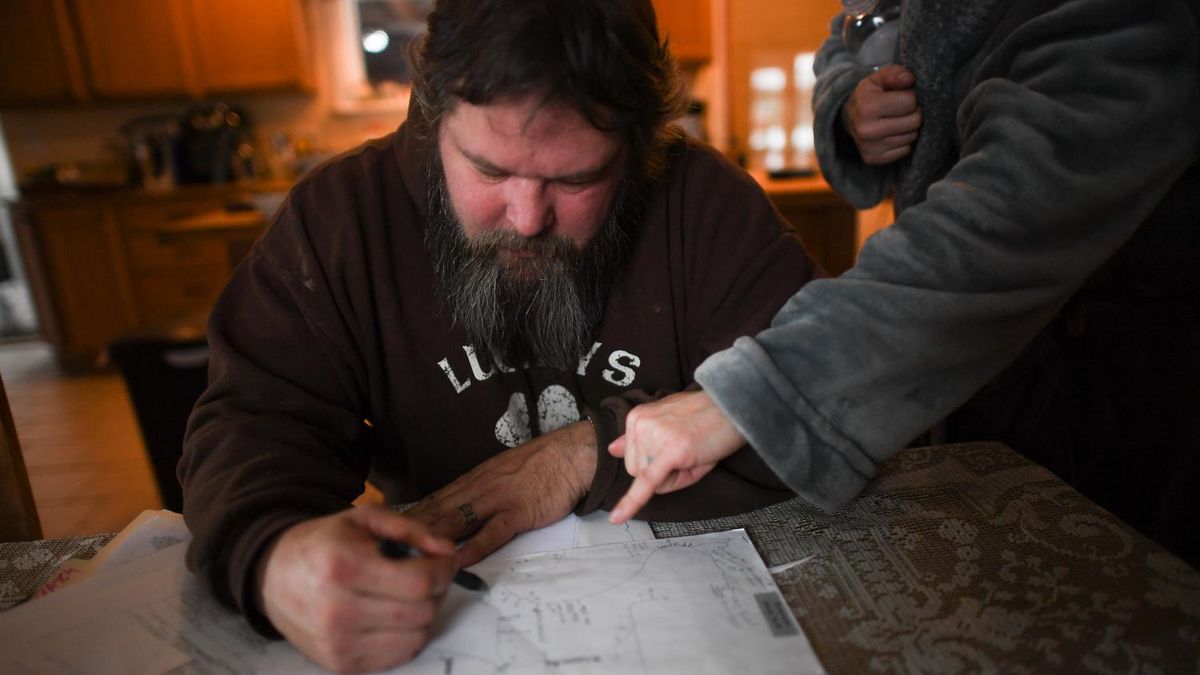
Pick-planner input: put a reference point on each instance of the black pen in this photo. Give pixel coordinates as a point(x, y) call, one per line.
point(396, 550)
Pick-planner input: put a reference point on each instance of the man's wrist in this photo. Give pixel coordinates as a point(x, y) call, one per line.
point(256, 612)
point(583, 447)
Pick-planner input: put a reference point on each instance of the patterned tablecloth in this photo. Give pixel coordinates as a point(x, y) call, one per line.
point(956, 559)
point(26, 566)
point(971, 559)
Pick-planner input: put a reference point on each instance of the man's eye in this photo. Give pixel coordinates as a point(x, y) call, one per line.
point(492, 176)
point(575, 184)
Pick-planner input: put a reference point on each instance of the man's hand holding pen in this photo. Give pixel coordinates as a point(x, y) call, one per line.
point(358, 590)
point(328, 589)
point(398, 550)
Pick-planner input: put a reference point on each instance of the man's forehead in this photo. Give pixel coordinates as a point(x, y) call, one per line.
point(524, 106)
point(514, 129)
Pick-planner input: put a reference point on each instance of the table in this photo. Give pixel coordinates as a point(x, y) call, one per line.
point(956, 559)
point(26, 566)
point(970, 558)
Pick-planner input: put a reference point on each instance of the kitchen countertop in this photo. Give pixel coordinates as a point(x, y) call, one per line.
point(38, 192)
point(813, 185)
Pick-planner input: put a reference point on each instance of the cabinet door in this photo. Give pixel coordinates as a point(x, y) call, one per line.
point(38, 59)
point(135, 48)
point(688, 26)
point(179, 301)
point(243, 45)
point(181, 253)
point(80, 266)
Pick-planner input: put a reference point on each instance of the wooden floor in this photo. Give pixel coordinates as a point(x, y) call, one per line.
point(86, 461)
point(81, 444)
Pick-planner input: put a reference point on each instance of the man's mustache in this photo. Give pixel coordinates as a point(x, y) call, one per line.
point(488, 244)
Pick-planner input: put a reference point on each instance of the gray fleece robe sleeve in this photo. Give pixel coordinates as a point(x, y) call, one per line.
point(1078, 123)
point(838, 73)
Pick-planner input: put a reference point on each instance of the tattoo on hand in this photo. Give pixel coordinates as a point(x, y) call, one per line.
point(468, 514)
point(649, 460)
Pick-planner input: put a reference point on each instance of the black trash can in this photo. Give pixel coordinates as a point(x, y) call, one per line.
point(164, 377)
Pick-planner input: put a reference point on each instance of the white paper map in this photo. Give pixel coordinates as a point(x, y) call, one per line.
point(703, 604)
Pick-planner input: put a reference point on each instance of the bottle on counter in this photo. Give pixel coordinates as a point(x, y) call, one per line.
point(152, 142)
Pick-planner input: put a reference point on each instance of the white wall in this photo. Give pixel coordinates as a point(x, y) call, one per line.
point(8, 182)
point(16, 307)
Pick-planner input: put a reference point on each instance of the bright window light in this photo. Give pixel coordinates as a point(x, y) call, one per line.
point(768, 79)
point(375, 41)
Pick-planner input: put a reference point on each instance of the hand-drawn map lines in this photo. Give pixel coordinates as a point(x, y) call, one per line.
point(528, 615)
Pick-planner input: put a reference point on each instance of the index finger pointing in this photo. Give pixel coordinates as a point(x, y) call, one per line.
point(635, 498)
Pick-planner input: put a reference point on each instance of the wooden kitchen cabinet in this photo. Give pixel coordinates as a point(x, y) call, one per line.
point(242, 46)
point(138, 48)
point(74, 260)
point(108, 266)
point(829, 227)
point(135, 48)
point(71, 50)
point(39, 61)
point(688, 26)
point(181, 255)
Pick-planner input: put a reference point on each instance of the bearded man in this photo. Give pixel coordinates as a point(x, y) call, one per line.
point(463, 312)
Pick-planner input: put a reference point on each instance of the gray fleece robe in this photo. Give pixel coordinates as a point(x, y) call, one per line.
point(1052, 131)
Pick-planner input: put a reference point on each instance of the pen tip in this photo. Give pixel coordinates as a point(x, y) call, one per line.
point(469, 581)
point(392, 548)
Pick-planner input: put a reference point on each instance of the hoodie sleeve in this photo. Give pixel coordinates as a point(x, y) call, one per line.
point(1080, 122)
point(274, 438)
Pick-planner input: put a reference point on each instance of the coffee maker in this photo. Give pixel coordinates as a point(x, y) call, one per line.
point(215, 145)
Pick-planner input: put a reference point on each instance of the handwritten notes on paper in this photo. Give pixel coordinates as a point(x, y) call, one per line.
point(702, 604)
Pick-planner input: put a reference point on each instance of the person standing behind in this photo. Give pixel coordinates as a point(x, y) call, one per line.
point(1038, 287)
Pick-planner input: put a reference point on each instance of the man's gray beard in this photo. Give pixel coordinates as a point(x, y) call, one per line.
point(541, 310)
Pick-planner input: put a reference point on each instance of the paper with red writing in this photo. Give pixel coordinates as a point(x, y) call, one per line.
point(151, 531)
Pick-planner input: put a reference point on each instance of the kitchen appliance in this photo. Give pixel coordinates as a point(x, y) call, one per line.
point(152, 142)
point(215, 145)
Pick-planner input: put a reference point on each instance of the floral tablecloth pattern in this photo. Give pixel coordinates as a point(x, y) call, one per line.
point(971, 559)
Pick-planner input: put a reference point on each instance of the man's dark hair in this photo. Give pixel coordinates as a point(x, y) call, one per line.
point(603, 55)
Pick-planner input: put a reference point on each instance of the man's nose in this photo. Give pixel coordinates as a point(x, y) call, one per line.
point(529, 208)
